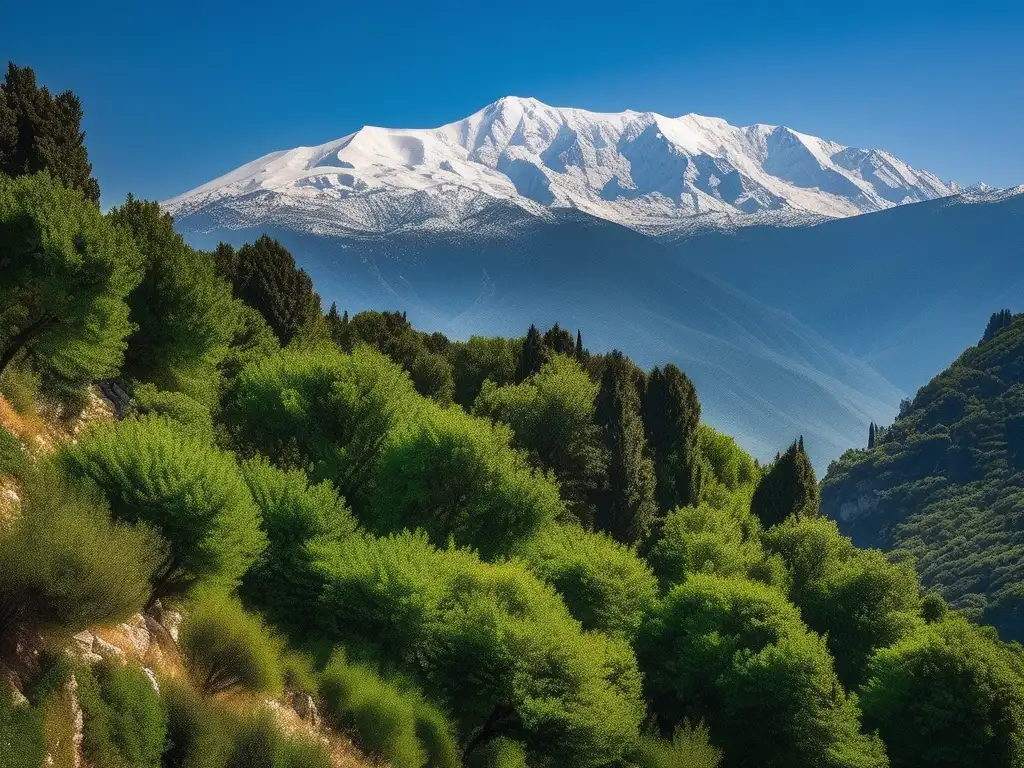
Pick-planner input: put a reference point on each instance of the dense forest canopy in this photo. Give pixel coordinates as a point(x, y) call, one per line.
point(492, 552)
point(946, 480)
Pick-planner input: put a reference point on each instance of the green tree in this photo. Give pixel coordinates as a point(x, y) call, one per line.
point(479, 359)
point(41, 132)
point(458, 476)
point(532, 355)
point(606, 586)
point(265, 277)
point(300, 520)
point(947, 696)
point(735, 654)
point(153, 472)
point(671, 414)
point(625, 504)
point(323, 410)
point(182, 310)
point(552, 418)
point(66, 275)
point(559, 341)
point(789, 487)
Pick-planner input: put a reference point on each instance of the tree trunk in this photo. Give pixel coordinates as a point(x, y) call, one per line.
point(23, 337)
point(489, 730)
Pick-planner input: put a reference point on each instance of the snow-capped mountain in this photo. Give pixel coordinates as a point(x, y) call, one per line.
point(652, 173)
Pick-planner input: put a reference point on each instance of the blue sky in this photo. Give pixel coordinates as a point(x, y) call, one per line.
point(178, 93)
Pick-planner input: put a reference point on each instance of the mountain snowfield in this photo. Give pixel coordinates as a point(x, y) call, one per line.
point(649, 172)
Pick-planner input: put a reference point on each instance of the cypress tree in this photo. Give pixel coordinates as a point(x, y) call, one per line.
point(41, 132)
point(671, 413)
point(996, 323)
point(625, 505)
point(871, 435)
point(533, 355)
point(788, 488)
point(559, 341)
point(579, 344)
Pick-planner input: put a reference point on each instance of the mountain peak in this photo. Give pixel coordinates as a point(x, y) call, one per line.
point(641, 169)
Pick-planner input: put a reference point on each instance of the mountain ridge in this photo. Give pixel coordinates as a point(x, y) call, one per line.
point(647, 171)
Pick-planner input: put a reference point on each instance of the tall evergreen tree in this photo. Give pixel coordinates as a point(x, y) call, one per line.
point(671, 414)
point(996, 323)
point(789, 487)
point(871, 435)
point(579, 344)
point(267, 279)
point(42, 132)
point(533, 355)
point(625, 505)
point(559, 341)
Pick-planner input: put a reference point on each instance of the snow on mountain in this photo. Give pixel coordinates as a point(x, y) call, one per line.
point(652, 173)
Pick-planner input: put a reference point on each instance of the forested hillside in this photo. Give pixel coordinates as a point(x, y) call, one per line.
point(493, 553)
point(946, 480)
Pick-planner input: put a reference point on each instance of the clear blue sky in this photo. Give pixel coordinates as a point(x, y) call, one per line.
point(178, 93)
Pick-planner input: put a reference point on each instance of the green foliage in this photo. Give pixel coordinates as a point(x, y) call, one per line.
point(192, 416)
point(626, 507)
point(671, 415)
point(20, 387)
point(251, 340)
point(264, 275)
point(322, 410)
point(552, 418)
point(690, 747)
point(789, 487)
point(14, 460)
point(300, 519)
point(224, 648)
point(66, 274)
point(153, 472)
point(458, 476)
point(125, 721)
point(199, 734)
point(734, 653)
point(182, 309)
point(499, 753)
point(725, 461)
point(604, 584)
point(709, 539)
point(947, 696)
point(64, 565)
point(42, 132)
point(493, 642)
point(22, 741)
point(532, 356)
point(382, 715)
point(479, 359)
point(946, 482)
point(857, 599)
point(999, 320)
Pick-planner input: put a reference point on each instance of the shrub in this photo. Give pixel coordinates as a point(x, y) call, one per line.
point(199, 734)
point(500, 753)
point(193, 495)
point(689, 747)
point(22, 743)
point(20, 387)
point(125, 722)
point(65, 566)
point(257, 743)
point(191, 415)
point(383, 717)
point(605, 585)
point(457, 477)
point(435, 734)
point(225, 648)
point(947, 696)
point(14, 459)
point(300, 519)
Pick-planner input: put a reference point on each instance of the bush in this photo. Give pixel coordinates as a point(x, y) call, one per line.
point(225, 648)
point(125, 721)
point(435, 734)
point(383, 717)
point(65, 566)
point(192, 494)
point(500, 753)
point(947, 696)
point(605, 585)
point(20, 387)
point(14, 459)
point(191, 415)
point(690, 747)
point(199, 734)
point(22, 743)
point(457, 477)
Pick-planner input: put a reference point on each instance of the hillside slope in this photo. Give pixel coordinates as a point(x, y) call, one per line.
point(946, 481)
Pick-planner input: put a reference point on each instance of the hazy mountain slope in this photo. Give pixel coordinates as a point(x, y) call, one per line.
point(641, 169)
point(760, 374)
point(946, 481)
point(904, 289)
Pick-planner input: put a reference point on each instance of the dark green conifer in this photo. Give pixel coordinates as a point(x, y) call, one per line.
point(788, 488)
point(559, 340)
point(996, 323)
point(671, 413)
point(533, 355)
point(625, 505)
point(871, 435)
point(579, 344)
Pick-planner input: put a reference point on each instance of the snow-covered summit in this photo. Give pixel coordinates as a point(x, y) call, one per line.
point(641, 169)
